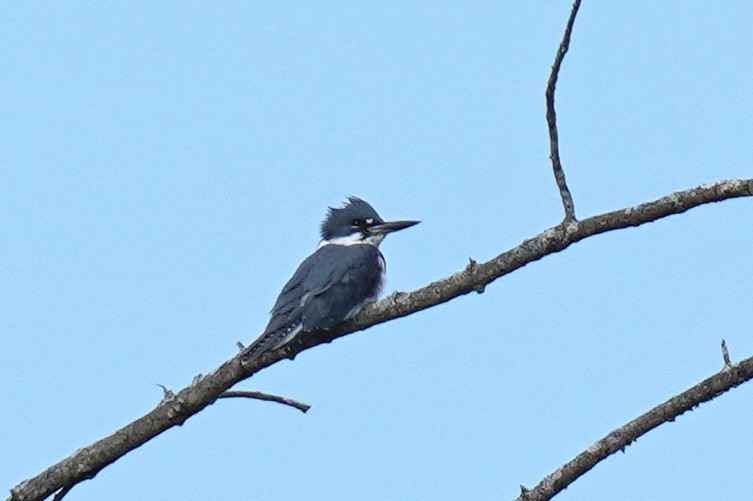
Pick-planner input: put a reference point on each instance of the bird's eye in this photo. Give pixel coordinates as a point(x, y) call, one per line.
point(362, 223)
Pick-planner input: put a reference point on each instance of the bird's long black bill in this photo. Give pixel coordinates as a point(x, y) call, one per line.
point(390, 226)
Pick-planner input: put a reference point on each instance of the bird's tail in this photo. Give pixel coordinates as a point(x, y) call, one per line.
point(268, 341)
point(265, 342)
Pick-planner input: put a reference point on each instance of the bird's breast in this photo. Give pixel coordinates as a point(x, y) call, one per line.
point(380, 277)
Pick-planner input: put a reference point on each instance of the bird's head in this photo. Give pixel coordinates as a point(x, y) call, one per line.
point(357, 222)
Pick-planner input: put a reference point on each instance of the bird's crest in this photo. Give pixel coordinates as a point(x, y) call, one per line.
point(339, 220)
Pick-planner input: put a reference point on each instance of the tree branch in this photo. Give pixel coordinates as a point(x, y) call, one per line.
point(551, 117)
point(623, 436)
point(173, 411)
point(301, 406)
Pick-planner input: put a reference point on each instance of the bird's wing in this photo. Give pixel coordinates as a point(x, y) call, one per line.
point(287, 308)
point(285, 318)
point(326, 288)
point(338, 291)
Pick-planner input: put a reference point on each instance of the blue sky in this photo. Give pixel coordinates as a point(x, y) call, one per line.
point(164, 168)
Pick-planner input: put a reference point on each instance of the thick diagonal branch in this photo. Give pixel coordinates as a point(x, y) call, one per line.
point(551, 118)
point(623, 436)
point(88, 461)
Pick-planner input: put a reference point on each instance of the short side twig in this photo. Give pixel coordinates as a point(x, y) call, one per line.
point(620, 438)
point(551, 118)
point(725, 354)
point(258, 395)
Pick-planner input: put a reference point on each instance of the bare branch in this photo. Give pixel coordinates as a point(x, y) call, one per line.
point(301, 406)
point(88, 461)
point(620, 438)
point(551, 118)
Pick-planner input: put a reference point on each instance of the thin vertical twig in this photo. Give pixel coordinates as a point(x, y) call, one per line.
point(551, 118)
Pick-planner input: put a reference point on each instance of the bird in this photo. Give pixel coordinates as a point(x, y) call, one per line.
point(345, 273)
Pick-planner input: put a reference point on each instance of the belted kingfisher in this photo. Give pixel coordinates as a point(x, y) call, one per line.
point(344, 274)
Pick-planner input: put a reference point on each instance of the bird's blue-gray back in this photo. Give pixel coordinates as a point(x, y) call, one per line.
point(356, 266)
point(352, 278)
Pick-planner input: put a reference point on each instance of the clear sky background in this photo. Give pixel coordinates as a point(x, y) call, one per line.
point(164, 169)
